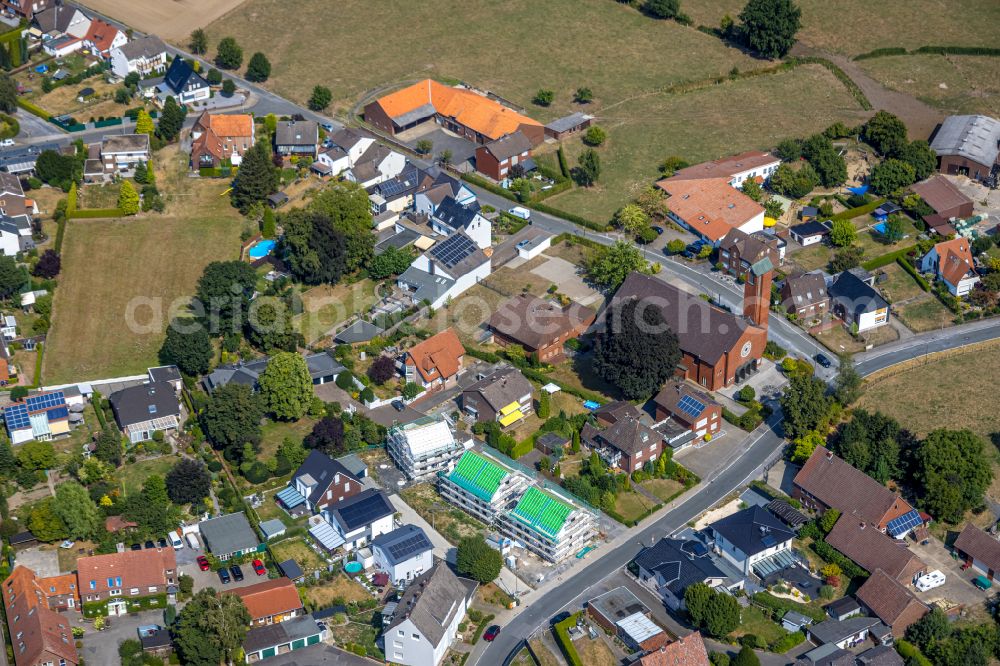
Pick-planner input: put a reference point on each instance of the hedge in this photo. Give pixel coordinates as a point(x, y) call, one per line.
point(909, 651)
point(779, 605)
point(523, 447)
point(536, 205)
point(878, 53)
point(888, 258)
point(107, 122)
point(834, 556)
point(95, 212)
point(788, 641)
point(40, 352)
point(481, 627)
point(565, 642)
point(216, 172)
point(959, 50)
point(852, 213)
point(100, 608)
point(563, 166)
point(31, 108)
point(908, 267)
point(852, 87)
point(487, 185)
point(60, 232)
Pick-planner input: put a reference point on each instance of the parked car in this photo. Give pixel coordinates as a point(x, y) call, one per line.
point(328, 127)
point(203, 563)
point(6, 143)
point(398, 405)
point(161, 543)
point(823, 360)
point(149, 544)
point(559, 617)
point(237, 572)
point(175, 540)
point(224, 576)
point(658, 230)
point(192, 540)
point(930, 581)
point(258, 567)
point(492, 632)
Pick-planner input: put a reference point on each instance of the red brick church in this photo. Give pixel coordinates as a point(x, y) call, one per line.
point(718, 347)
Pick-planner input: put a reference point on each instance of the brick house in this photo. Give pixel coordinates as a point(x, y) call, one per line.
point(826, 481)
point(944, 197)
point(217, 137)
point(872, 550)
point(979, 550)
point(891, 602)
point(539, 326)
point(495, 158)
point(689, 407)
point(620, 437)
point(968, 145)
point(318, 483)
point(805, 296)
point(738, 251)
point(271, 601)
point(131, 574)
point(37, 634)
point(434, 364)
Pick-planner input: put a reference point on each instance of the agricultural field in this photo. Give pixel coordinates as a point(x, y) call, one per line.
point(559, 45)
point(120, 277)
point(856, 26)
point(172, 21)
point(954, 84)
point(702, 125)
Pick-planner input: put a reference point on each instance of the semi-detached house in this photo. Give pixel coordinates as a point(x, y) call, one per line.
point(751, 538)
point(133, 574)
point(434, 364)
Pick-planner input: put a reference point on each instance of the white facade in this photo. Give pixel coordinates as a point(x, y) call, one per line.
point(10, 243)
point(869, 320)
point(193, 93)
point(765, 171)
point(360, 537)
point(425, 447)
point(806, 241)
point(479, 230)
point(62, 46)
point(359, 148)
point(405, 644)
point(741, 560)
point(532, 249)
point(120, 39)
point(406, 570)
point(423, 205)
point(122, 66)
point(930, 263)
point(337, 163)
point(388, 168)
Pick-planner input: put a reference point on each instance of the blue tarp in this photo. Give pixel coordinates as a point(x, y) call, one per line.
point(863, 189)
point(41, 69)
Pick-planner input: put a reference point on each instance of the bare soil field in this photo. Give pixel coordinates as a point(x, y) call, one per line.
point(172, 20)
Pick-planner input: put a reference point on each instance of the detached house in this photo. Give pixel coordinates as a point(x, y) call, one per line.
point(360, 518)
point(425, 621)
point(620, 437)
point(671, 566)
point(142, 411)
point(296, 138)
point(711, 208)
point(41, 416)
point(434, 363)
point(271, 601)
point(404, 554)
point(129, 575)
point(437, 187)
point(446, 270)
point(750, 537)
point(376, 165)
point(805, 296)
point(857, 304)
point(734, 169)
point(183, 83)
point(539, 326)
point(102, 38)
point(122, 153)
point(496, 158)
point(229, 535)
point(689, 408)
point(145, 56)
point(317, 484)
point(503, 396)
point(738, 251)
point(952, 262)
point(451, 216)
point(217, 137)
point(980, 551)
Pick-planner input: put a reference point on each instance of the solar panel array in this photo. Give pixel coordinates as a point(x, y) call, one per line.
point(17, 417)
point(453, 249)
point(411, 545)
point(366, 511)
point(391, 188)
point(691, 406)
point(903, 524)
point(58, 413)
point(45, 401)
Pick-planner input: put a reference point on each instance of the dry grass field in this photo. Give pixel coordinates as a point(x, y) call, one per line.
point(851, 27)
point(702, 125)
point(173, 20)
point(109, 265)
point(558, 44)
point(955, 84)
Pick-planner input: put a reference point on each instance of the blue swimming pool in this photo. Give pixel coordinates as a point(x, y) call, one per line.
point(261, 249)
point(880, 227)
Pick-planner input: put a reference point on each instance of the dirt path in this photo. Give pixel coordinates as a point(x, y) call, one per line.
point(920, 118)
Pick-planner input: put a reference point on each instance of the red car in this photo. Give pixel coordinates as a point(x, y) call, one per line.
point(492, 632)
point(258, 567)
point(203, 563)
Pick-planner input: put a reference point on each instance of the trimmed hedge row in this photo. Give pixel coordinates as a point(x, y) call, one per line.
point(536, 205)
point(779, 605)
point(908, 267)
point(35, 110)
point(909, 651)
point(879, 53)
point(834, 556)
point(563, 166)
point(95, 213)
point(565, 642)
point(888, 258)
point(108, 122)
point(852, 213)
point(852, 87)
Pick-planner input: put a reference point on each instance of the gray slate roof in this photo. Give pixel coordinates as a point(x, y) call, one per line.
point(834, 631)
point(972, 137)
point(145, 402)
point(323, 469)
point(753, 530)
point(296, 133)
point(509, 145)
point(681, 563)
point(271, 635)
point(502, 387)
point(569, 122)
point(228, 534)
point(432, 600)
point(149, 46)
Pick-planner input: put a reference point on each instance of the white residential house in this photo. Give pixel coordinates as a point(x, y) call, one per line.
point(425, 622)
point(360, 518)
point(102, 38)
point(451, 217)
point(952, 262)
point(331, 161)
point(404, 553)
point(751, 536)
point(857, 303)
point(9, 327)
point(15, 234)
point(122, 153)
point(427, 200)
point(376, 165)
point(425, 447)
point(445, 271)
point(183, 84)
point(144, 56)
point(353, 143)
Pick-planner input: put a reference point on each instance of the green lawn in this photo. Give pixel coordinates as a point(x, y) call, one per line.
point(926, 314)
point(702, 125)
point(274, 432)
point(665, 489)
point(134, 474)
point(324, 307)
point(630, 504)
point(99, 196)
point(297, 549)
point(753, 621)
point(954, 84)
point(120, 278)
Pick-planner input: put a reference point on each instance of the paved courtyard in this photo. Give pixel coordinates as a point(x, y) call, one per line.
point(45, 562)
point(462, 150)
point(568, 278)
point(958, 587)
point(101, 647)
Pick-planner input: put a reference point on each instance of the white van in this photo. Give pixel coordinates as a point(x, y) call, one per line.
point(192, 540)
point(175, 540)
point(930, 581)
point(519, 211)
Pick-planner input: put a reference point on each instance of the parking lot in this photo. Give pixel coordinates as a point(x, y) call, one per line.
point(187, 564)
point(101, 647)
point(958, 587)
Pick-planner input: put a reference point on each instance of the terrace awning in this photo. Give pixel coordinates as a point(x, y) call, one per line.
point(512, 407)
point(327, 537)
point(290, 497)
point(513, 417)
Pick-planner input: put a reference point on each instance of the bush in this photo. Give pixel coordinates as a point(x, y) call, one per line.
point(778, 605)
point(345, 380)
point(911, 653)
point(831, 554)
point(543, 97)
point(594, 136)
point(787, 642)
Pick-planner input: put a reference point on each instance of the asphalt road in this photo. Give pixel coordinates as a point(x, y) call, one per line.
point(926, 343)
point(539, 609)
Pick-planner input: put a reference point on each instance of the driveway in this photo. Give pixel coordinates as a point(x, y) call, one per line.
point(101, 647)
point(461, 149)
point(958, 587)
point(203, 579)
point(45, 563)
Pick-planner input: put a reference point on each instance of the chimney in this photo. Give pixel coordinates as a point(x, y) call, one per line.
point(829, 455)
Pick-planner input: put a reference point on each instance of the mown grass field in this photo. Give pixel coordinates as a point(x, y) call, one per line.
point(850, 27)
point(955, 84)
point(513, 48)
point(120, 277)
point(701, 125)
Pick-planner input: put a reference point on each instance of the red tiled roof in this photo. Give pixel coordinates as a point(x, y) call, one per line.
point(845, 488)
point(136, 568)
point(117, 523)
point(101, 34)
point(437, 357)
point(710, 206)
point(871, 549)
point(272, 597)
point(954, 260)
point(978, 544)
point(37, 633)
point(727, 167)
point(687, 651)
point(888, 599)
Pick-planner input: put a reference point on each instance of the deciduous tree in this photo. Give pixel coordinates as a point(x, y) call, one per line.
point(478, 560)
point(187, 346)
point(223, 295)
point(211, 627)
point(48, 265)
point(769, 26)
point(382, 369)
point(347, 207)
point(327, 436)
point(953, 472)
point(8, 94)
point(286, 386)
point(232, 417)
point(885, 132)
point(74, 507)
point(228, 55)
point(611, 265)
point(805, 404)
point(198, 42)
point(314, 251)
point(392, 261)
point(843, 233)
point(188, 481)
point(661, 9)
point(636, 351)
point(631, 219)
point(919, 155)
point(892, 175)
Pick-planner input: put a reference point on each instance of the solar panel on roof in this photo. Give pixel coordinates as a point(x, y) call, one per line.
point(363, 512)
point(414, 543)
point(45, 401)
point(391, 188)
point(904, 523)
point(691, 406)
point(17, 417)
point(453, 250)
